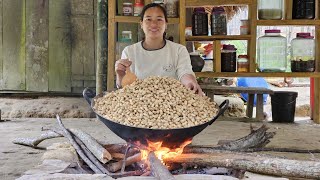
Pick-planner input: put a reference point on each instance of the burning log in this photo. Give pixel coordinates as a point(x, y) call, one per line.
point(254, 163)
point(160, 171)
point(116, 166)
point(95, 148)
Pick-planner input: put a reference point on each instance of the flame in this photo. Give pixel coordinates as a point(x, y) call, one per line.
point(162, 152)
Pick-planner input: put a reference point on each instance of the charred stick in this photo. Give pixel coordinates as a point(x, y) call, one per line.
point(77, 147)
point(120, 148)
point(160, 171)
point(33, 142)
point(113, 167)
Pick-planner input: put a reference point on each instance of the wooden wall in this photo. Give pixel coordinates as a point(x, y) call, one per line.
point(47, 45)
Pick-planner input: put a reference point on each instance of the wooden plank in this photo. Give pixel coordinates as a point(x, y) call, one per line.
point(82, 7)
point(259, 107)
point(287, 9)
point(252, 44)
point(218, 37)
point(196, 3)
point(82, 55)
point(316, 98)
point(134, 19)
point(257, 74)
point(1, 54)
point(84, 77)
point(228, 89)
point(14, 44)
point(111, 45)
point(182, 19)
point(317, 8)
point(60, 46)
point(316, 110)
point(217, 56)
point(37, 36)
point(299, 22)
point(250, 102)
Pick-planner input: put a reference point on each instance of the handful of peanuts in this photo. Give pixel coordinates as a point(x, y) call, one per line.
point(156, 103)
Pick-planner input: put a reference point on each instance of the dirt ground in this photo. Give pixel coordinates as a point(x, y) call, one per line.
point(16, 159)
point(25, 118)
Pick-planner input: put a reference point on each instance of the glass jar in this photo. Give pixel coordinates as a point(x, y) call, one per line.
point(197, 62)
point(303, 9)
point(244, 27)
point(127, 9)
point(243, 63)
point(303, 53)
point(126, 36)
point(228, 58)
point(218, 21)
point(272, 52)
point(172, 8)
point(199, 22)
point(270, 9)
point(137, 9)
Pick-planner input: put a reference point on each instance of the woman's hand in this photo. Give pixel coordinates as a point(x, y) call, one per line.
point(120, 68)
point(190, 82)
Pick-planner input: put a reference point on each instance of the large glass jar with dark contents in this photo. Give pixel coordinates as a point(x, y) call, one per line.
point(303, 53)
point(303, 9)
point(199, 22)
point(270, 9)
point(228, 58)
point(218, 21)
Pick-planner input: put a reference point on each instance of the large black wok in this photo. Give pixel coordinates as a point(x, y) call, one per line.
point(172, 138)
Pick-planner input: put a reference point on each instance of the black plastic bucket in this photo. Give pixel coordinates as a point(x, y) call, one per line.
point(283, 105)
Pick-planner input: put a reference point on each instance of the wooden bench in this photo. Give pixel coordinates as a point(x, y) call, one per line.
point(211, 90)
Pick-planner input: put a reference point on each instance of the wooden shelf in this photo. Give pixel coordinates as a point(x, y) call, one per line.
point(218, 37)
point(197, 3)
point(288, 22)
point(257, 74)
point(136, 19)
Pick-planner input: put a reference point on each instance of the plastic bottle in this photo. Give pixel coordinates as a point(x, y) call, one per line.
point(303, 53)
point(303, 9)
point(218, 21)
point(228, 58)
point(272, 52)
point(270, 9)
point(199, 22)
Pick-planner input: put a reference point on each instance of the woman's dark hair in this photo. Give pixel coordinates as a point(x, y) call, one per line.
point(145, 8)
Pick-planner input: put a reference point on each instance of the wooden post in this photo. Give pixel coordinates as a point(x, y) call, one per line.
point(102, 44)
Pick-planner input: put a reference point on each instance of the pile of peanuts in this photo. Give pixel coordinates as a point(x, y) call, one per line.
point(156, 103)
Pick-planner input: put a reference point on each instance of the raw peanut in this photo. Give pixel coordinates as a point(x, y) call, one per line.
point(156, 103)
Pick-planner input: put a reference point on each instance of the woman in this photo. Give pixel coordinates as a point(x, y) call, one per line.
point(156, 56)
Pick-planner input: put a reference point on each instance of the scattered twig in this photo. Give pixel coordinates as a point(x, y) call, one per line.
point(33, 142)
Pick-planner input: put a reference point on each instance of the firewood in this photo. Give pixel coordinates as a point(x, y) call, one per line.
point(253, 163)
point(120, 148)
point(95, 148)
point(113, 167)
point(77, 147)
point(33, 142)
point(117, 156)
point(160, 171)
